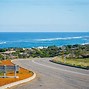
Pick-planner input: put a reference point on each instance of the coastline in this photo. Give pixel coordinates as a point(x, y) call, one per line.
point(41, 47)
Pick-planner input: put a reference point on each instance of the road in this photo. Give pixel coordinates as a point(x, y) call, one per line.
point(53, 76)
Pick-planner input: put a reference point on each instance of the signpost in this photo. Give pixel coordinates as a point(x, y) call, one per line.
point(4, 69)
point(63, 57)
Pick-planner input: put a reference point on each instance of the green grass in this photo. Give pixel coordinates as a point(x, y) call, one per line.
point(81, 63)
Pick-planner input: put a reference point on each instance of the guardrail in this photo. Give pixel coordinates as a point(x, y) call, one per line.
point(6, 68)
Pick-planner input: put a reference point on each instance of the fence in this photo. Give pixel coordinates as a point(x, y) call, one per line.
point(4, 69)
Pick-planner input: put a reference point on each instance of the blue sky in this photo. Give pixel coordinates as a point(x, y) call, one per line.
point(44, 15)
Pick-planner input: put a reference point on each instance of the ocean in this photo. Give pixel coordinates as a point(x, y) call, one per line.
point(42, 39)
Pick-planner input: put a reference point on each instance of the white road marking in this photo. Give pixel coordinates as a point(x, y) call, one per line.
point(60, 69)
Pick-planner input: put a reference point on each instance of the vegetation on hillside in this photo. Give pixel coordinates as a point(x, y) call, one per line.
point(68, 51)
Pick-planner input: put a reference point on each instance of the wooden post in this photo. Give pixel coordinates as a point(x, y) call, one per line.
point(4, 71)
point(15, 66)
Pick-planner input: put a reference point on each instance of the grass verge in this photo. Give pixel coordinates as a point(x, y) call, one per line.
point(79, 63)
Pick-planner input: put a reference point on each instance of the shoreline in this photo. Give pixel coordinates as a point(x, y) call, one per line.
point(41, 47)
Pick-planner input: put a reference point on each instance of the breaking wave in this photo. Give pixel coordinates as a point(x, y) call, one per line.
point(67, 38)
point(84, 43)
point(2, 42)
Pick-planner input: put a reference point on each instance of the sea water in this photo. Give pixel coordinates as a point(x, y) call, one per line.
point(42, 39)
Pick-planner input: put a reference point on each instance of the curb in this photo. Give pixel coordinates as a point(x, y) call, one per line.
point(18, 82)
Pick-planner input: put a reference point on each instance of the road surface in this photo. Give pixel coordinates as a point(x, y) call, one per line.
point(53, 76)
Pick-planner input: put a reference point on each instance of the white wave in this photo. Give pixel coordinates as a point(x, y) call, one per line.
point(18, 41)
point(52, 39)
point(84, 43)
point(2, 42)
point(41, 47)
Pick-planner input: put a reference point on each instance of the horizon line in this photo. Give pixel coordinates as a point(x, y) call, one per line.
point(39, 31)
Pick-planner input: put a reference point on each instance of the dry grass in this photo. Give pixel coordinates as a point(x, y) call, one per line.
point(83, 63)
point(23, 74)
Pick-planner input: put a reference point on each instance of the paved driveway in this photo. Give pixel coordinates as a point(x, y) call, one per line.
point(53, 76)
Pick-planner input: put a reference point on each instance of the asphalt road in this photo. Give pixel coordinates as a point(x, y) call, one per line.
point(53, 76)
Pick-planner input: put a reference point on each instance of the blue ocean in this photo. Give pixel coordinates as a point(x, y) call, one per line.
point(42, 39)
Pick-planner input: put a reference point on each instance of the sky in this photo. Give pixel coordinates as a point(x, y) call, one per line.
point(44, 15)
